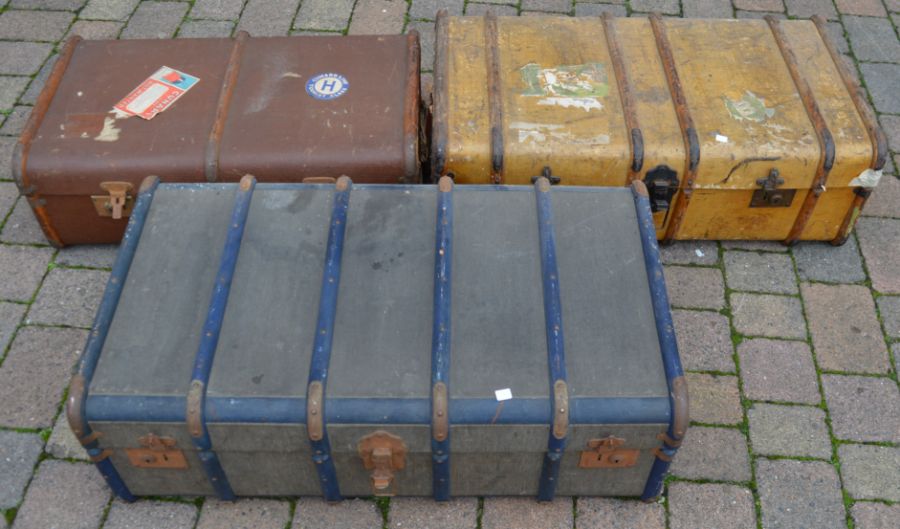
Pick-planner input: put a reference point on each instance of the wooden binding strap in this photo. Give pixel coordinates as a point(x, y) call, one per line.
point(439, 112)
point(879, 143)
point(411, 111)
point(211, 165)
point(826, 141)
point(626, 94)
point(495, 103)
point(688, 131)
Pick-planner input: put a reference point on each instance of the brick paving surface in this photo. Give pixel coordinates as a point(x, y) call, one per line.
point(792, 353)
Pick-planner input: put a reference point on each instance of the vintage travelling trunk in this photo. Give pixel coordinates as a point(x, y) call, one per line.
point(475, 340)
point(283, 109)
point(741, 129)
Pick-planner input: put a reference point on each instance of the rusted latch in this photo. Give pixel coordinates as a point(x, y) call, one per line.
point(605, 453)
point(769, 195)
point(662, 184)
point(156, 452)
point(118, 203)
point(383, 454)
point(548, 174)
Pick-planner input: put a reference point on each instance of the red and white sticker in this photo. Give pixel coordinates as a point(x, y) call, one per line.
point(157, 93)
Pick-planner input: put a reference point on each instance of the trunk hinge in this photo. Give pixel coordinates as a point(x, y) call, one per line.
point(383, 454)
point(117, 203)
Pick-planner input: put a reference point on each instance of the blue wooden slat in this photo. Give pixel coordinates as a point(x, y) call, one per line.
point(440, 333)
point(556, 355)
point(665, 330)
point(209, 340)
point(87, 364)
point(318, 370)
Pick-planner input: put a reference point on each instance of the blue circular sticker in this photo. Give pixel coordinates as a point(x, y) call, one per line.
point(327, 86)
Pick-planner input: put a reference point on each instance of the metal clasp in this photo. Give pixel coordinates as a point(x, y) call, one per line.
point(383, 454)
point(156, 452)
point(548, 174)
point(605, 453)
point(118, 203)
point(662, 184)
point(769, 195)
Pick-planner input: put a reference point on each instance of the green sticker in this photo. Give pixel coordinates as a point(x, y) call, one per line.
point(750, 107)
point(577, 80)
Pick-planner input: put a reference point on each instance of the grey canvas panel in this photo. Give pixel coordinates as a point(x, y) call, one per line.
point(243, 437)
point(382, 338)
point(268, 473)
point(498, 337)
point(267, 333)
point(155, 332)
point(612, 349)
point(353, 478)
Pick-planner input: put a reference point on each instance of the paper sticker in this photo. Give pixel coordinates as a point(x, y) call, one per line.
point(503, 394)
point(327, 86)
point(868, 178)
point(157, 93)
point(721, 139)
point(749, 107)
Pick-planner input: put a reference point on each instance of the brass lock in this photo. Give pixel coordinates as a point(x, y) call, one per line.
point(605, 453)
point(156, 452)
point(383, 454)
point(118, 203)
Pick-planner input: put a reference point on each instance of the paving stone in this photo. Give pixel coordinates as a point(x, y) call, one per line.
point(761, 272)
point(692, 287)
point(55, 5)
point(667, 7)
point(9, 193)
point(108, 9)
point(688, 252)
point(710, 506)
point(62, 494)
point(151, 515)
point(244, 513)
point(844, 327)
point(69, 297)
point(820, 261)
point(37, 84)
point(505, 513)
point(10, 89)
point(885, 199)
point(425, 513)
point(15, 121)
point(755, 246)
point(808, 8)
point(863, 408)
point(704, 340)
point(63, 443)
point(713, 453)
point(373, 17)
point(836, 34)
point(47, 26)
point(205, 28)
point(217, 9)
point(96, 29)
point(740, 14)
point(19, 453)
point(91, 256)
point(895, 350)
point(6, 150)
point(593, 10)
point(473, 9)
point(155, 20)
point(882, 81)
point(22, 227)
point(707, 8)
point(880, 240)
point(868, 8)
point(778, 370)
point(768, 315)
point(426, 42)
point(263, 18)
point(873, 39)
point(774, 6)
point(22, 58)
point(10, 317)
point(35, 372)
point(27, 264)
point(869, 515)
point(799, 495)
point(891, 127)
point(324, 14)
point(313, 513)
point(555, 6)
point(889, 308)
point(609, 513)
point(797, 431)
point(715, 399)
point(427, 9)
point(871, 472)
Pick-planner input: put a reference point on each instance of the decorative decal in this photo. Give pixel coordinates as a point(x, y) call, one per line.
point(750, 107)
point(577, 85)
point(157, 93)
point(325, 86)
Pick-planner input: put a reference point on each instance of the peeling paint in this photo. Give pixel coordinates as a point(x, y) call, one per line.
point(749, 107)
point(585, 103)
point(110, 132)
point(867, 178)
point(291, 74)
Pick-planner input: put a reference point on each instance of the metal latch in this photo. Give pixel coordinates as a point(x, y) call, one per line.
point(605, 453)
point(548, 174)
point(156, 452)
point(769, 196)
point(383, 454)
point(118, 203)
point(662, 184)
